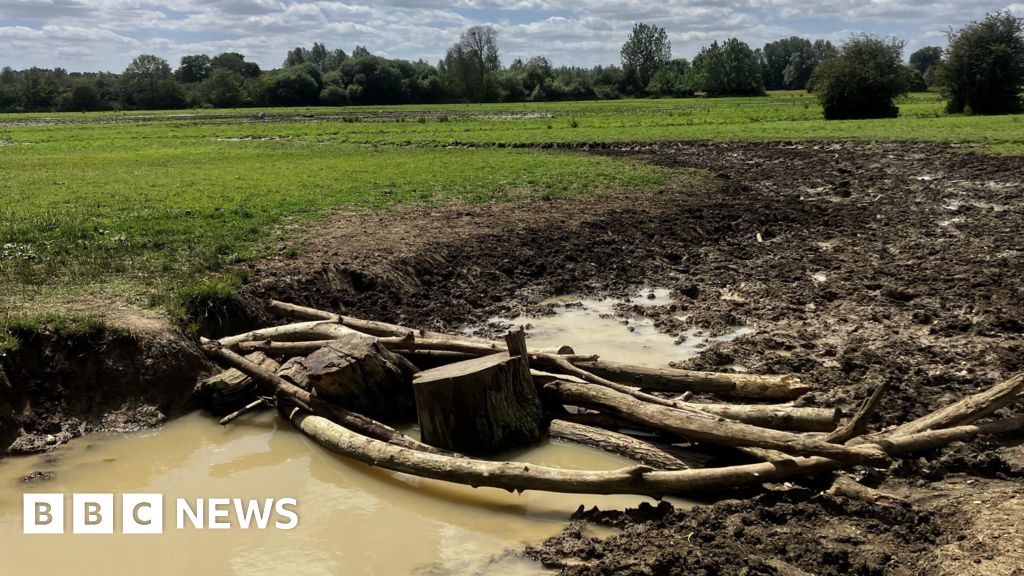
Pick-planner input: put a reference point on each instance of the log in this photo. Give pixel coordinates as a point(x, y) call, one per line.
point(478, 406)
point(372, 327)
point(315, 330)
point(616, 443)
point(273, 385)
point(968, 410)
point(231, 388)
point(360, 375)
point(696, 425)
point(858, 424)
point(763, 387)
point(283, 349)
point(847, 488)
point(296, 372)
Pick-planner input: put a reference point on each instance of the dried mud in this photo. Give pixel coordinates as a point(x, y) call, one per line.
point(854, 263)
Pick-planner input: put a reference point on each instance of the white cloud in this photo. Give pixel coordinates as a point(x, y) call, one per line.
point(106, 34)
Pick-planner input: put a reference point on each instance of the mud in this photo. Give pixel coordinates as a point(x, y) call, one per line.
point(122, 377)
point(852, 263)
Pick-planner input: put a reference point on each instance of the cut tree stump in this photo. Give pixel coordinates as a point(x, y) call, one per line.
point(479, 406)
point(232, 389)
point(360, 375)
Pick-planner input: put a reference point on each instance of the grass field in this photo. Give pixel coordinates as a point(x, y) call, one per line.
point(148, 207)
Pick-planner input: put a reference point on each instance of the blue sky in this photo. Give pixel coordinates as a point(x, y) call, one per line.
point(91, 35)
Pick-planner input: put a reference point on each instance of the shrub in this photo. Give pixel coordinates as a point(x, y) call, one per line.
point(984, 68)
point(863, 80)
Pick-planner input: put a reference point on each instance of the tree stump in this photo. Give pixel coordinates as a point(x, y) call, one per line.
point(480, 406)
point(360, 375)
point(232, 389)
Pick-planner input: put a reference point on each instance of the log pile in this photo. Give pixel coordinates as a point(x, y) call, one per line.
point(338, 379)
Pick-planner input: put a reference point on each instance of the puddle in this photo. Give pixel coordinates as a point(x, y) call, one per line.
point(598, 327)
point(352, 519)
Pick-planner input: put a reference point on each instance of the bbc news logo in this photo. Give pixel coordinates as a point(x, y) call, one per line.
point(144, 513)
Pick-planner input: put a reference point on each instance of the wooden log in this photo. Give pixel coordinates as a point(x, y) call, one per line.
point(361, 375)
point(778, 417)
point(858, 424)
point(478, 406)
point(901, 445)
point(616, 443)
point(273, 385)
point(283, 349)
point(970, 409)
point(315, 330)
point(231, 388)
point(371, 327)
point(764, 387)
point(847, 488)
point(696, 425)
point(295, 371)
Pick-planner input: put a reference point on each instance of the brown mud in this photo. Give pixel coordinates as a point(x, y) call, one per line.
point(131, 374)
point(854, 263)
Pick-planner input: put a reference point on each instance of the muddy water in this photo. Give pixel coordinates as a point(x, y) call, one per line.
point(352, 519)
point(605, 327)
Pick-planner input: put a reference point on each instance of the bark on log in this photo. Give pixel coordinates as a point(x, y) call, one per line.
point(764, 387)
point(616, 443)
point(968, 410)
point(372, 327)
point(273, 385)
point(847, 488)
point(231, 388)
point(283, 349)
point(858, 424)
point(361, 375)
point(478, 406)
point(315, 330)
point(296, 372)
point(696, 425)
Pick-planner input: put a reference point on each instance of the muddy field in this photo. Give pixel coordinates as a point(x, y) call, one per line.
point(853, 263)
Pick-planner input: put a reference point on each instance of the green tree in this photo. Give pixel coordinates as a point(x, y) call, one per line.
point(470, 67)
point(863, 80)
point(673, 79)
point(223, 89)
point(729, 69)
point(778, 56)
point(193, 69)
point(148, 83)
point(235, 62)
point(646, 50)
point(293, 86)
point(984, 68)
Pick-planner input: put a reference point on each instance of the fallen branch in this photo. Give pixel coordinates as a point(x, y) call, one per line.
point(970, 409)
point(696, 425)
point(315, 330)
point(765, 387)
point(847, 488)
point(858, 424)
point(258, 403)
point(616, 443)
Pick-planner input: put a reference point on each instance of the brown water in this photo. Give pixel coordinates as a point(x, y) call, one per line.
point(597, 327)
point(352, 519)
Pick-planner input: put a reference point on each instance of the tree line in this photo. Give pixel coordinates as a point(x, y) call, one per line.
point(982, 71)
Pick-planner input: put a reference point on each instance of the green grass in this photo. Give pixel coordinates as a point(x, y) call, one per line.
point(156, 207)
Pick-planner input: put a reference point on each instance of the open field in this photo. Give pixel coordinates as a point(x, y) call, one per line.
point(850, 253)
point(144, 204)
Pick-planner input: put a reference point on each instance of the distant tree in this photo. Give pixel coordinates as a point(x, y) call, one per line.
point(193, 69)
point(729, 69)
point(984, 68)
point(926, 58)
point(469, 67)
point(235, 62)
point(673, 79)
point(646, 50)
point(863, 80)
point(148, 83)
point(915, 80)
point(779, 56)
point(84, 98)
point(360, 52)
point(223, 89)
point(293, 86)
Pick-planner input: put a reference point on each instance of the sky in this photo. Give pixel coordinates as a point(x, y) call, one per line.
point(94, 35)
